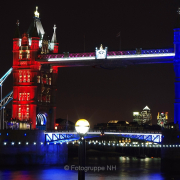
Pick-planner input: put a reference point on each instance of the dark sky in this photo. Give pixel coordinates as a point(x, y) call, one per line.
point(100, 95)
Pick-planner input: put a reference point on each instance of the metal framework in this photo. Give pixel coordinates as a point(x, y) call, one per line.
point(156, 138)
point(3, 78)
point(56, 137)
point(6, 100)
point(70, 136)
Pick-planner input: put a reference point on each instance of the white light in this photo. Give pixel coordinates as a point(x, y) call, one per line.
point(12, 143)
point(117, 144)
point(73, 142)
point(26, 143)
point(82, 126)
point(141, 55)
point(48, 143)
point(72, 59)
point(55, 143)
point(5, 143)
point(61, 143)
point(34, 143)
point(19, 142)
point(67, 143)
point(41, 143)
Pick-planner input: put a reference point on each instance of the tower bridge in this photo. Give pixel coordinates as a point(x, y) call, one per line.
point(35, 68)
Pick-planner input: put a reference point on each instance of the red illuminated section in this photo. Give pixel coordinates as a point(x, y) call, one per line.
point(56, 48)
point(25, 70)
point(34, 84)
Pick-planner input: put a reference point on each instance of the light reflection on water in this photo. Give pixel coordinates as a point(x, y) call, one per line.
point(127, 168)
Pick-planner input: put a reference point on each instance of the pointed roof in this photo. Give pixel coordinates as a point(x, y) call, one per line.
point(17, 32)
point(38, 24)
point(177, 24)
point(146, 108)
point(34, 31)
point(54, 39)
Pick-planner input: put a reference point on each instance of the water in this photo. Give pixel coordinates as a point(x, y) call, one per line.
point(125, 168)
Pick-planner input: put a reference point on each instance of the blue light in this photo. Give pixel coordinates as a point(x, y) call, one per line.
point(7, 134)
point(25, 134)
point(177, 136)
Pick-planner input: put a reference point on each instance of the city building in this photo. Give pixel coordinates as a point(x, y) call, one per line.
point(162, 118)
point(143, 117)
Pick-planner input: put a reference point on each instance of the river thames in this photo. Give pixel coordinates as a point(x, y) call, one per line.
point(110, 168)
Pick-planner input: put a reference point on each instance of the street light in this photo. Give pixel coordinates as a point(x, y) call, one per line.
point(82, 127)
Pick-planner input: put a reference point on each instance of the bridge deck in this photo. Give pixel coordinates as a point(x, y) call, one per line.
point(114, 58)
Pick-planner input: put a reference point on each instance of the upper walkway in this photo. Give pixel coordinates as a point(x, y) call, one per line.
point(112, 58)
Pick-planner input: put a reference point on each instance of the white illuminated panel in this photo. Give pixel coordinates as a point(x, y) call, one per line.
point(72, 59)
point(141, 55)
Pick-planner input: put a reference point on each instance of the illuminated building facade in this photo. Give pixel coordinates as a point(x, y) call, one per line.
point(144, 117)
point(34, 85)
point(162, 118)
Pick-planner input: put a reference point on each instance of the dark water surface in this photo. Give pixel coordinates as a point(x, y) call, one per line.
point(125, 168)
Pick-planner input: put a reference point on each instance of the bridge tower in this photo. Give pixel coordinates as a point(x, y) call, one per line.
point(176, 63)
point(34, 85)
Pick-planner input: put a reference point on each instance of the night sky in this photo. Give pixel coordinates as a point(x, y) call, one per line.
point(100, 95)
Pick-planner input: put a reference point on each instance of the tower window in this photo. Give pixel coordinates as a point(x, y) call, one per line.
point(28, 96)
point(28, 78)
point(20, 78)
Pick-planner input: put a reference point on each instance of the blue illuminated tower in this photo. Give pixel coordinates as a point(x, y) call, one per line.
point(177, 69)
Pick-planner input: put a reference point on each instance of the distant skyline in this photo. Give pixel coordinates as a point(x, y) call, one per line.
point(100, 95)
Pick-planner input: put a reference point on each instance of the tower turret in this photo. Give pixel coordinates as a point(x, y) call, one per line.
point(54, 44)
point(16, 44)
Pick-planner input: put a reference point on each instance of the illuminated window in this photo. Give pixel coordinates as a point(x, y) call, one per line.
point(28, 78)
point(20, 96)
point(27, 115)
point(19, 116)
point(27, 108)
point(28, 96)
point(49, 81)
point(20, 78)
point(38, 79)
point(24, 78)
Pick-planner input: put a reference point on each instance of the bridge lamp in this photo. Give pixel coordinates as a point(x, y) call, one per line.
point(82, 127)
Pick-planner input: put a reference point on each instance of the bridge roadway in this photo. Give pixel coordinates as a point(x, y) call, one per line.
point(65, 136)
point(113, 58)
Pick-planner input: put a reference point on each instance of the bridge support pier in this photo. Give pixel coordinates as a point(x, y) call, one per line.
point(176, 63)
